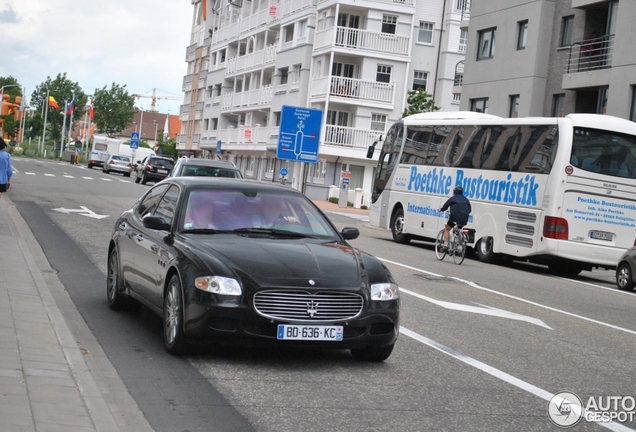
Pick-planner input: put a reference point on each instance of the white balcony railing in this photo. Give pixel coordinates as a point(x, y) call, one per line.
point(349, 137)
point(356, 89)
point(590, 54)
point(261, 96)
point(253, 60)
point(363, 40)
point(242, 135)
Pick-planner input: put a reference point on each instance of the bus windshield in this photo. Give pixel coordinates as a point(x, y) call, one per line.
point(604, 152)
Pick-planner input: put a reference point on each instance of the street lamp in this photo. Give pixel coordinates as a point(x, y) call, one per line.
point(135, 123)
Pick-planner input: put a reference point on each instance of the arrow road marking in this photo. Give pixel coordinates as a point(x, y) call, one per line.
point(84, 211)
point(481, 309)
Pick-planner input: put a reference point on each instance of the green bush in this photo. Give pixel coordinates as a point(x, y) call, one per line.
point(17, 151)
point(333, 200)
point(364, 207)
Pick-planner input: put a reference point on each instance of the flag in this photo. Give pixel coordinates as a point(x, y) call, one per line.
point(53, 103)
point(70, 107)
point(91, 113)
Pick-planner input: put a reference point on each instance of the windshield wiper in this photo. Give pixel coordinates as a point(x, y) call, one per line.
point(273, 231)
point(200, 231)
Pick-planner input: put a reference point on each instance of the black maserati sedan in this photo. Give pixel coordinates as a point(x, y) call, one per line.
point(234, 261)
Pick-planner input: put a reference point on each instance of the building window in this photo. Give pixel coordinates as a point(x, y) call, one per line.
point(463, 40)
point(522, 36)
point(558, 104)
point(209, 92)
point(456, 97)
point(284, 75)
point(206, 124)
point(419, 80)
point(632, 112)
point(514, 106)
point(296, 73)
point(217, 88)
point(277, 116)
point(567, 24)
point(383, 74)
point(459, 80)
point(251, 162)
point(602, 100)
point(215, 123)
point(289, 33)
point(223, 53)
point(389, 23)
point(378, 122)
point(270, 167)
point(302, 30)
point(479, 105)
point(425, 34)
point(486, 46)
point(319, 171)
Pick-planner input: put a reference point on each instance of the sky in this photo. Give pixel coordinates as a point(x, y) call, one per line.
point(138, 43)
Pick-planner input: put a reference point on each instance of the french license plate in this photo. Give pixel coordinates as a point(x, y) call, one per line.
point(309, 332)
point(162, 171)
point(601, 235)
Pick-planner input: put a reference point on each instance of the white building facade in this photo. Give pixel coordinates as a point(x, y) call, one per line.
point(355, 60)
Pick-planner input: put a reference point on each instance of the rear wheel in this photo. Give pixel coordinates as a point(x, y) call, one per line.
point(126, 174)
point(144, 180)
point(624, 279)
point(373, 353)
point(439, 244)
point(136, 179)
point(397, 228)
point(173, 336)
point(459, 252)
point(484, 250)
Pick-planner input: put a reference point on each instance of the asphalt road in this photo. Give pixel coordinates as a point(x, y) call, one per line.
point(482, 347)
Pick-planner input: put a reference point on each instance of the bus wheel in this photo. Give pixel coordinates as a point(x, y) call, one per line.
point(484, 250)
point(397, 227)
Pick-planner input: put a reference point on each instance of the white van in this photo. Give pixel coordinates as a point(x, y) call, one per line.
point(102, 148)
point(139, 154)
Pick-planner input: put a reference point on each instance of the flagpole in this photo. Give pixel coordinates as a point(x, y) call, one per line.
point(22, 117)
point(46, 112)
point(63, 131)
point(85, 133)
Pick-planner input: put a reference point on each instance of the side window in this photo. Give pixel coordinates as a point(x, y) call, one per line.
point(150, 201)
point(168, 204)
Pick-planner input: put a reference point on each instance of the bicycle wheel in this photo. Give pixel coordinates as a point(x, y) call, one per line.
point(459, 249)
point(439, 242)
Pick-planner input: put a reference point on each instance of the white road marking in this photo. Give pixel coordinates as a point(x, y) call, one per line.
point(84, 211)
point(476, 286)
point(29, 173)
point(363, 218)
point(499, 374)
point(68, 176)
point(88, 178)
point(105, 179)
point(49, 175)
point(483, 310)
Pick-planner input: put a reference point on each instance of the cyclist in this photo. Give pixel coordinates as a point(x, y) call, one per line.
point(460, 209)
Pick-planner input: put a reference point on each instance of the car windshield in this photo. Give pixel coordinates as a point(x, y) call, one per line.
point(209, 171)
point(161, 163)
point(213, 211)
point(121, 158)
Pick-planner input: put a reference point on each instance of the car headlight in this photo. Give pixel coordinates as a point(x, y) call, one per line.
point(218, 285)
point(384, 291)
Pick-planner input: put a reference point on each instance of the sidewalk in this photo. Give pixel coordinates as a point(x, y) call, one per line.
point(54, 375)
point(52, 378)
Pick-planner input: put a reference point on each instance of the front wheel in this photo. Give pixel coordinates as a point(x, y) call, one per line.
point(372, 353)
point(173, 335)
point(397, 228)
point(116, 299)
point(136, 179)
point(485, 250)
point(440, 249)
point(459, 251)
point(624, 280)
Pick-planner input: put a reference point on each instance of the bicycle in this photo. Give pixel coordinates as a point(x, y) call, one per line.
point(457, 244)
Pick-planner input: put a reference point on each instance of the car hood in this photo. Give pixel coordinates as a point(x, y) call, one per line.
point(288, 262)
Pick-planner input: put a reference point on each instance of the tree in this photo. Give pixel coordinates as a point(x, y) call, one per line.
point(63, 91)
point(168, 146)
point(418, 102)
point(114, 109)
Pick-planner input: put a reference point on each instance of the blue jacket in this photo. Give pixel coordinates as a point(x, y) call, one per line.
point(459, 209)
point(5, 167)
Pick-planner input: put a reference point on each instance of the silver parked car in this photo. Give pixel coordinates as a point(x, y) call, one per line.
point(625, 277)
point(118, 163)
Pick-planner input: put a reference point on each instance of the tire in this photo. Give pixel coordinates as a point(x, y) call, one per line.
point(173, 336)
point(372, 353)
point(126, 174)
point(104, 169)
point(397, 228)
point(439, 242)
point(90, 166)
point(624, 279)
point(484, 250)
point(144, 180)
point(459, 251)
point(136, 179)
point(116, 300)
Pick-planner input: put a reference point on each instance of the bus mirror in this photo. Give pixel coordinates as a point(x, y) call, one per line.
point(370, 151)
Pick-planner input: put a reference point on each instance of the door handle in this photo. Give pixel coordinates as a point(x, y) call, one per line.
point(139, 237)
point(123, 226)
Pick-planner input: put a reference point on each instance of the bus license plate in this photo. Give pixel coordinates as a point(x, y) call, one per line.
point(309, 332)
point(601, 235)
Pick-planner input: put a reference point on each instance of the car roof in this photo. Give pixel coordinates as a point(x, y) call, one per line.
point(231, 184)
point(207, 162)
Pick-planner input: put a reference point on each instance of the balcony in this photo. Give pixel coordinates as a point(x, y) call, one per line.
point(349, 137)
point(401, 2)
point(354, 90)
point(248, 98)
point(187, 83)
point(243, 135)
point(590, 54)
point(250, 61)
point(362, 40)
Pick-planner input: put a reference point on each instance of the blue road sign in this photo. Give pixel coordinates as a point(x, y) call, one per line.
point(283, 172)
point(219, 148)
point(134, 140)
point(299, 134)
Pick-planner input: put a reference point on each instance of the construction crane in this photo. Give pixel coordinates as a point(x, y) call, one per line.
point(154, 98)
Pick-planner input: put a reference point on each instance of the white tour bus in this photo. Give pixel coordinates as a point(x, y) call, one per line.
point(557, 191)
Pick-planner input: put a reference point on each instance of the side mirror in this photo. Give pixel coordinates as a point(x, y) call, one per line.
point(156, 223)
point(350, 233)
point(370, 151)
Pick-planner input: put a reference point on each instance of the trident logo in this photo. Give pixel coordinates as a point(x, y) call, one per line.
point(312, 308)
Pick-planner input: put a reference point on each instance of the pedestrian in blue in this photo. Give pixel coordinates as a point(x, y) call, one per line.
point(5, 168)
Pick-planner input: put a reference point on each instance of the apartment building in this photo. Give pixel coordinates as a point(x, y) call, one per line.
point(551, 58)
point(355, 60)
